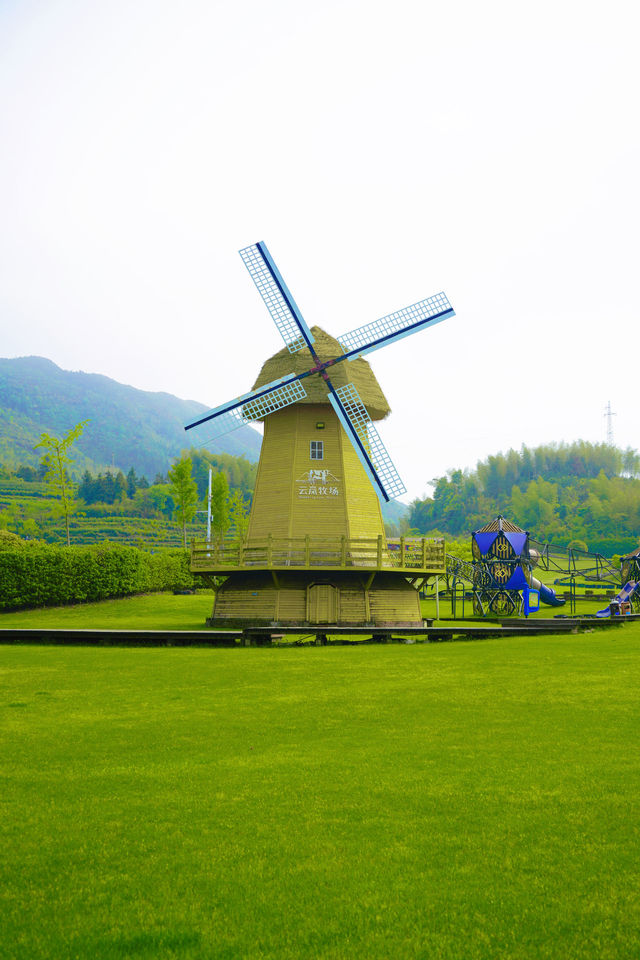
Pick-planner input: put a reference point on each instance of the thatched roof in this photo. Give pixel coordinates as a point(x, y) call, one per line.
point(501, 524)
point(631, 556)
point(357, 372)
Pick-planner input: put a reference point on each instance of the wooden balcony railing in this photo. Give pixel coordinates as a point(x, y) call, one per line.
point(413, 554)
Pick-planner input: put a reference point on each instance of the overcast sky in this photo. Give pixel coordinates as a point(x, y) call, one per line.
point(383, 151)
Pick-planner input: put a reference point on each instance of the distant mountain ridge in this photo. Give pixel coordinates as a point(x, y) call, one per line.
point(128, 427)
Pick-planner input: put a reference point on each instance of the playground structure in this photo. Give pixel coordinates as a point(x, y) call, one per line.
point(503, 581)
point(576, 570)
point(630, 566)
point(500, 580)
point(316, 550)
point(628, 600)
point(624, 602)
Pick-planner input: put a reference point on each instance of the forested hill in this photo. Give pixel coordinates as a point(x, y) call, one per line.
point(560, 492)
point(128, 427)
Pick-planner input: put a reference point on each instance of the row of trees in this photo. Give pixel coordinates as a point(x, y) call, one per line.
point(181, 495)
point(499, 473)
point(113, 486)
point(584, 491)
point(29, 473)
point(226, 510)
point(565, 492)
point(110, 487)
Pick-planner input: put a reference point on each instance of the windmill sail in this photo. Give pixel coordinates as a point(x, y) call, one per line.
point(370, 449)
point(253, 406)
point(345, 400)
point(277, 297)
point(396, 325)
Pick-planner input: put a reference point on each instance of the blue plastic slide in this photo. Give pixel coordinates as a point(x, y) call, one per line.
point(623, 597)
point(547, 595)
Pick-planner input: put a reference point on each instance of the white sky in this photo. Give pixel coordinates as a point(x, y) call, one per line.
point(384, 152)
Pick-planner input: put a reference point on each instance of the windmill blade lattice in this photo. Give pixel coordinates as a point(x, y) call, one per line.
point(277, 297)
point(395, 326)
point(352, 413)
point(253, 406)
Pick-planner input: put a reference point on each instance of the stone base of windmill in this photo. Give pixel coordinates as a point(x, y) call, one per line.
point(273, 599)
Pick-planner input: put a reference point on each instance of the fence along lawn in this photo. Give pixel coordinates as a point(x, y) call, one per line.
point(469, 800)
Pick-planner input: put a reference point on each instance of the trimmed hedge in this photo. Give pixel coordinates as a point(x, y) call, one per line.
point(44, 575)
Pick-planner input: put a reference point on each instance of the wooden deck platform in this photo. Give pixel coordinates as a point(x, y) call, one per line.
point(322, 634)
point(416, 556)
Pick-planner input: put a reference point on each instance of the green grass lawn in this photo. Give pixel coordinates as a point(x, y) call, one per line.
point(153, 611)
point(471, 800)
point(164, 611)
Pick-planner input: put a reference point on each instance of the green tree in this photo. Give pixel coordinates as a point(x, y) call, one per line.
point(27, 473)
point(184, 493)
point(238, 514)
point(577, 545)
point(120, 485)
point(219, 506)
point(239, 472)
point(132, 483)
point(85, 489)
point(55, 461)
point(631, 462)
point(153, 501)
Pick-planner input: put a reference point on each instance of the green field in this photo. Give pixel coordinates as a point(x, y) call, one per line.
point(164, 611)
point(152, 611)
point(468, 800)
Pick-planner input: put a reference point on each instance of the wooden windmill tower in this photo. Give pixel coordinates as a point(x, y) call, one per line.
point(316, 551)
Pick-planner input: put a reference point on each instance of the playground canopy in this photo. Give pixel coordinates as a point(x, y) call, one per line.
point(501, 524)
point(630, 566)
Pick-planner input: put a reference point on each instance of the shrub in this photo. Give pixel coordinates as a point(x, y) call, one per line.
point(39, 574)
point(10, 541)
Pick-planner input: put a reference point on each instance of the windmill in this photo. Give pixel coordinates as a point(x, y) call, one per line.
point(316, 540)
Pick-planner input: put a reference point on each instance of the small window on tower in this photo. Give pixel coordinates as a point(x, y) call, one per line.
point(317, 452)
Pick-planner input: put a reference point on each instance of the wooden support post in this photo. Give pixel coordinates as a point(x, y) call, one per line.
point(379, 558)
point(402, 552)
point(424, 553)
point(269, 551)
point(343, 551)
point(276, 606)
point(437, 598)
point(307, 556)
